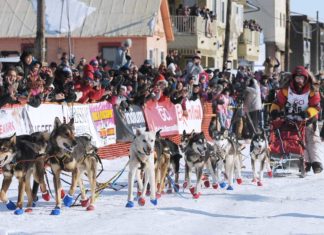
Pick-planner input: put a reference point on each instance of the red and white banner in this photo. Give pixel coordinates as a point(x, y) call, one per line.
point(161, 115)
point(193, 121)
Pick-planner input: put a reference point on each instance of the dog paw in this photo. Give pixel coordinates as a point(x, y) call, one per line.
point(215, 186)
point(239, 181)
point(85, 202)
point(254, 180)
point(56, 211)
point(222, 185)
point(148, 193)
point(230, 187)
point(196, 195)
point(130, 204)
point(154, 201)
point(207, 183)
point(11, 206)
point(158, 195)
point(141, 201)
point(169, 191)
point(270, 174)
point(185, 184)
point(192, 190)
point(36, 199)
point(46, 196)
point(19, 211)
point(29, 210)
point(62, 194)
point(259, 183)
point(90, 208)
point(68, 200)
point(34, 204)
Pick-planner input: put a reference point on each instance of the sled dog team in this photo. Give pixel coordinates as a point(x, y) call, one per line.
point(152, 159)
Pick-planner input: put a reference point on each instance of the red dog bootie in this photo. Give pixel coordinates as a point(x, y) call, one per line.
point(46, 196)
point(270, 174)
point(239, 181)
point(141, 201)
point(215, 186)
point(192, 190)
point(62, 193)
point(85, 202)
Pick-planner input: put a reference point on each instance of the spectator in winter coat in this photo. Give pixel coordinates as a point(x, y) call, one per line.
point(301, 96)
point(24, 67)
point(122, 56)
point(9, 88)
point(253, 106)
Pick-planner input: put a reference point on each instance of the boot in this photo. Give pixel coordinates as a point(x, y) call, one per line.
point(308, 166)
point(317, 167)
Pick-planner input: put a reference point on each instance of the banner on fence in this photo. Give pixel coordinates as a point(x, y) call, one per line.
point(128, 121)
point(193, 121)
point(161, 115)
point(42, 118)
point(102, 117)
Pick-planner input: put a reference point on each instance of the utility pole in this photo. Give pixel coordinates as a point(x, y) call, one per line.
point(40, 48)
point(287, 44)
point(227, 31)
point(318, 48)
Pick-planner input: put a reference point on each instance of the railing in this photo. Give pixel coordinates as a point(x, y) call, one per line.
point(193, 25)
point(184, 24)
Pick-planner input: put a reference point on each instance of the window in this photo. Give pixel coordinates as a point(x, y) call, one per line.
point(109, 54)
point(108, 51)
point(223, 12)
point(162, 56)
point(214, 7)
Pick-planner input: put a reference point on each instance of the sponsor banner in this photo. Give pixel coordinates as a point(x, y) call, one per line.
point(193, 121)
point(42, 118)
point(82, 121)
point(127, 121)
point(161, 115)
point(102, 117)
point(14, 120)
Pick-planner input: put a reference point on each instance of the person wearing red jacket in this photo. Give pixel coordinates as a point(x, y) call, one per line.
point(301, 96)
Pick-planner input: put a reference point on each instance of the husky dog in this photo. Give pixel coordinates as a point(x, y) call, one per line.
point(259, 151)
point(23, 156)
point(162, 159)
point(232, 161)
point(141, 158)
point(195, 150)
point(175, 163)
point(72, 154)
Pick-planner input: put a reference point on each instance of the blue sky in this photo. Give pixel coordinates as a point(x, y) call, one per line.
point(308, 7)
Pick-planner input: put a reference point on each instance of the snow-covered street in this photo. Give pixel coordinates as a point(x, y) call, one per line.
point(287, 205)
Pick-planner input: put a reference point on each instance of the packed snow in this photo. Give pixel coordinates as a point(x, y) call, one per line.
point(283, 205)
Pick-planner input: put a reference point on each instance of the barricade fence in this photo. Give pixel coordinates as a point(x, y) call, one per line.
point(111, 128)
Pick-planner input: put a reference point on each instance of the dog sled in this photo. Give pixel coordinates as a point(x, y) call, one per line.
point(287, 146)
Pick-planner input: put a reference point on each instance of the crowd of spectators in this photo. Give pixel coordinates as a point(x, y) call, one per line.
point(125, 83)
point(251, 24)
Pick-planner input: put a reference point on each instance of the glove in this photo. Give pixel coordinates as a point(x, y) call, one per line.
point(304, 114)
point(275, 114)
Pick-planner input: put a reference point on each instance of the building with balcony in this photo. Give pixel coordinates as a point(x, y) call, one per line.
point(300, 41)
point(194, 33)
point(272, 19)
point(249, 44)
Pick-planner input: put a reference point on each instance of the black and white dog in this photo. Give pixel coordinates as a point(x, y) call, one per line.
point(223, 143)
point(194, 147)
point(259, 152)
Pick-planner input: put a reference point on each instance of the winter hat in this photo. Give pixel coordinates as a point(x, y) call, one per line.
point(94, 62)
point(127, 43)
point(160, 79)
point(300, 70)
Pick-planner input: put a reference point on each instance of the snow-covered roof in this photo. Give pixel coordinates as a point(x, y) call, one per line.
point(88, 18)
